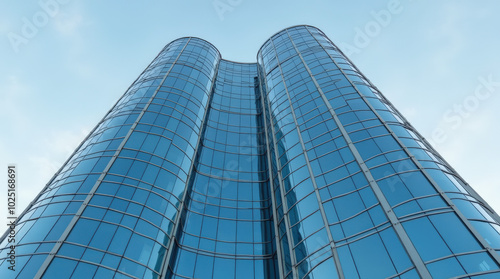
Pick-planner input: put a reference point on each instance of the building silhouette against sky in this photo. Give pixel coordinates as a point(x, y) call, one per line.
point(292, 167)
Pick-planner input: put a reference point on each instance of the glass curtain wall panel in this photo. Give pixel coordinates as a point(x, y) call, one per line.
point(295, 166)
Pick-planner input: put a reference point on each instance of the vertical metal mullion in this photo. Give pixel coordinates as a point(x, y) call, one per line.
point(73, 221)
point(398, 227)
point(279, 249)
point(311, 173)
point(438, 189)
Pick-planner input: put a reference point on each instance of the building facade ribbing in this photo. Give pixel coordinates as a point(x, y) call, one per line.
point(292, 167)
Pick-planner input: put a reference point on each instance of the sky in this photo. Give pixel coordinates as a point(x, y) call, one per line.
point(64, 63)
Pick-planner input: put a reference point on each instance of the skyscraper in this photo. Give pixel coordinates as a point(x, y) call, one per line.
point(292, 167)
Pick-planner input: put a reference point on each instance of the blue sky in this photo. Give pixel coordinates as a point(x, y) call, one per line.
point(65, 63)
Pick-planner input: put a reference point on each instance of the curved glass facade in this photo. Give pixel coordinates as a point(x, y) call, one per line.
point(292, 167)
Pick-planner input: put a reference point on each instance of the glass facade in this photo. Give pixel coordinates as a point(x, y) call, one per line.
point(292, 167)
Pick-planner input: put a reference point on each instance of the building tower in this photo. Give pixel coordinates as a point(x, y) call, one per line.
point(292, 167)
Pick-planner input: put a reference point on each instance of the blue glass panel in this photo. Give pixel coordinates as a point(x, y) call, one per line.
point(92, 255)
point(72, 251)
point(426, 239)
point(60, 268)
point(30, 268)
point(445, 269)
point(121, 236)
point(418, 184)
point(244, 269)
point(477, 262)
point(103, 236)
point(185, 257)
point(491, 235)
point(394, 190)
point(131, 268)
point(84, 271)
point(83, 231)
point(58, 228)
point(493, 275)
point(326, 269)
point(139, 249)
point(371, 258)
point(39, 229)
point(454, 232)
point(224, 268)
point(395, 249)
point(412, 274)
point(110, 260)
point(204, 267)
